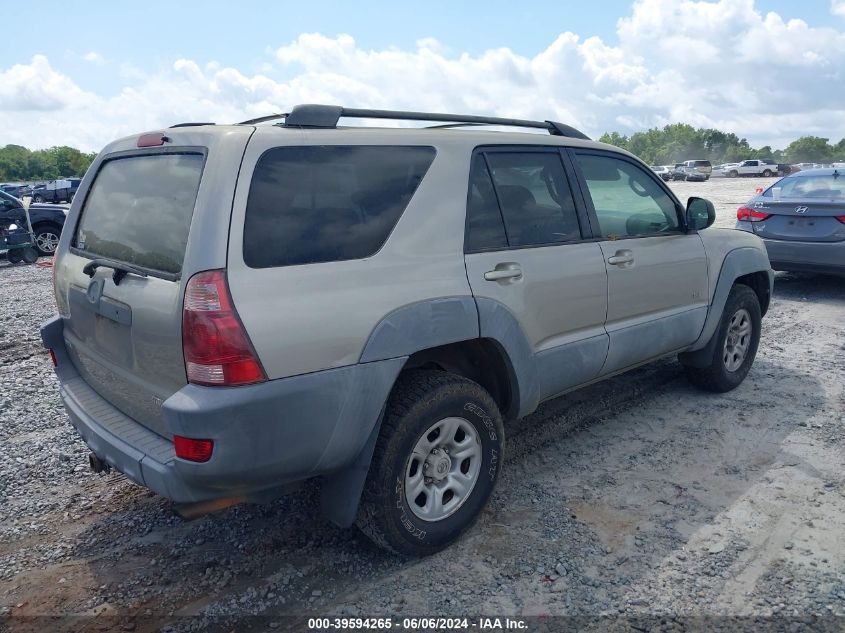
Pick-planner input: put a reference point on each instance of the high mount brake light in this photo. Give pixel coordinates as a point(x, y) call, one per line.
point(750, 215)
point(152, 140)
point(216, 346)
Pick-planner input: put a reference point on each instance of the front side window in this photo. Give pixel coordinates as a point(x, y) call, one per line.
point(534, 197)
point(628, 202)
point(315, 204)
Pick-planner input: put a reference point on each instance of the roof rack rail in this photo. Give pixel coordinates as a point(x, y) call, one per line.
point(192, 124)
point(327, 116)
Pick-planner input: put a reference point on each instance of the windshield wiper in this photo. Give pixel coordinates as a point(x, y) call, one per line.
point(120, 270)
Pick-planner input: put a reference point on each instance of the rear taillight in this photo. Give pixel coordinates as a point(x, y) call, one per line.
point(841, 218)
point(216, 346)
point(53, 358)
point(750, 215)
point(193, 450)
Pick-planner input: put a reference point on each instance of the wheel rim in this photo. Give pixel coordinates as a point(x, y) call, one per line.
point(738, 339)
point(47, 242)
point(443, 469)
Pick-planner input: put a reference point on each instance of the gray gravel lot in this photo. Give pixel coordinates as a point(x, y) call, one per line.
point(638, 496)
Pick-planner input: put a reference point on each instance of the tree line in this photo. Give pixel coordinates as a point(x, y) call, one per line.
point(679, 142)
point(18, 163)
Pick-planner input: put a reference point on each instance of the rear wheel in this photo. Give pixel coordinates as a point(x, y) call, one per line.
point(46, 238)
point(435, 464)
point(38, 198)
point(767, 173)
point(737, 338)
point(733, 173)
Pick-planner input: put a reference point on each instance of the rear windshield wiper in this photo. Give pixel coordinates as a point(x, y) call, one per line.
point(120, 270)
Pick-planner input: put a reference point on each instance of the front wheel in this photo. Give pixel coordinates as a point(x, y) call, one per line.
point(435, 463)
point(733, 174)
point(737, 338)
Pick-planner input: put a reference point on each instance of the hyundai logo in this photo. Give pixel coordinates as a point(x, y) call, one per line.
point(801, 209)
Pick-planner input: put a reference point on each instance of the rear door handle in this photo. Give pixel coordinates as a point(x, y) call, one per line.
point(503, 272)
point(620, 258)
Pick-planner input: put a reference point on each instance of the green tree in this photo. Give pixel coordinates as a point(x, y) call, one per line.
point(809, 149)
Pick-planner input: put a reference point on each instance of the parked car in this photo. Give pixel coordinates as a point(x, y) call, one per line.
point(703, 167)
point(246, 307)
point(753, 168)
point(721, 171)
point(685, 172)
point(56, 190)
point(47, 221)
point(801, 219)
point(664, 171)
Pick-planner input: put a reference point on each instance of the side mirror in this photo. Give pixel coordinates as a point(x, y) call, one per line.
point(700, 214)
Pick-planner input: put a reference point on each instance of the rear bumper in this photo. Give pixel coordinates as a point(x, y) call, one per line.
point(265, 435)
point(817, 257)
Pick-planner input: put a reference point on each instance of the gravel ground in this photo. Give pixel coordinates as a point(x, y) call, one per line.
point(639, 497)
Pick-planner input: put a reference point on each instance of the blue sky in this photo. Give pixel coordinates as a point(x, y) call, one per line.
point(152, 33)
point(100, 53)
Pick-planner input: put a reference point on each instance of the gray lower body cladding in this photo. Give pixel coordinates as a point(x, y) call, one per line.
point(265, 435)
point(817, 257)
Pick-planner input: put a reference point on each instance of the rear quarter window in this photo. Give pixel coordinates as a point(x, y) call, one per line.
point(314, 204)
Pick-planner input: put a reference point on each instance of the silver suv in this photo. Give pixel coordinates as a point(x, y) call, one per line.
point(245, 307)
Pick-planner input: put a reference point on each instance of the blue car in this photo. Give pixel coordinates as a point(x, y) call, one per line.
point(801, 219)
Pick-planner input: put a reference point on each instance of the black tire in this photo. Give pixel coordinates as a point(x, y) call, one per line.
point(717, 377)
point(767, 173)
point(14, 255)
point(46, 238)
point(418, 401)
point(30, 255)
point(38, 198)
point(733, 174)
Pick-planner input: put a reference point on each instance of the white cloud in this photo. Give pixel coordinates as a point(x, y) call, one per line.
point(716, 64)
point(94, 57)
point(837, 7)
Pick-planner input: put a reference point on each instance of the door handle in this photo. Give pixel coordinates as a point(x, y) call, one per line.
point(620, 258)
point(503, 272)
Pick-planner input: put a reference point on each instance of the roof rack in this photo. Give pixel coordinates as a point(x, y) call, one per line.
point(327, 116)
point(192, 124)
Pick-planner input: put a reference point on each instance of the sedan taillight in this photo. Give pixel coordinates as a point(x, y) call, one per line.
point(747, 214)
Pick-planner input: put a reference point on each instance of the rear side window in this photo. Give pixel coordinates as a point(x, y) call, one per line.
point(535, 198)
point(485, 229)
point(328, 203)
point(139, 210)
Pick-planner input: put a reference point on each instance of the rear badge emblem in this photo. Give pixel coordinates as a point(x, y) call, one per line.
point(801, 209)
point(95, 290)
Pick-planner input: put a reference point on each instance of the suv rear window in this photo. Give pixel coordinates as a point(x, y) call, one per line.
point(139, 210)
point(328, 203)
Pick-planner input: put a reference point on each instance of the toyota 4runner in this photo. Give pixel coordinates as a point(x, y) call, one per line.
point(244, 307)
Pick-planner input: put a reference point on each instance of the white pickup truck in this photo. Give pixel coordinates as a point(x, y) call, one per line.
point(752, 168)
